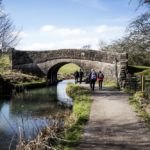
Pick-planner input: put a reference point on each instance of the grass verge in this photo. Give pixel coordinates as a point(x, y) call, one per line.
point(79, 116)
point(137, 100)
point(5, 63)
point(111, 84)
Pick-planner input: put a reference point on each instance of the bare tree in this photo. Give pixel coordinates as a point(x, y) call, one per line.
point(88, 46)
point(101, 45)
point(139, 32)
point(137, 40)
point(8, 34)
point(142, 2)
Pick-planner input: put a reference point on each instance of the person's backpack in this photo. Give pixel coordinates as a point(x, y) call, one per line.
point(93, 75)
point(76, 74)
point(100, 75)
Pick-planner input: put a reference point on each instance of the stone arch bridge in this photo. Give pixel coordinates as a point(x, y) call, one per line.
point(47, 63)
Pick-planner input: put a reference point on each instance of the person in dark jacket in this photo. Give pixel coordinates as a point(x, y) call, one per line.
point(76, 76)
point(92, 79)
point(80, 76)
point(100, 78)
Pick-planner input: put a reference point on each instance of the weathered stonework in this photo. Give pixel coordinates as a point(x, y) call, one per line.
point(47, 63)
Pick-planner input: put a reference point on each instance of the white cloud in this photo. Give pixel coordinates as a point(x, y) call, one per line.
point(108, 29)
point(51, 37)
point(66, 43)
point(47, 28)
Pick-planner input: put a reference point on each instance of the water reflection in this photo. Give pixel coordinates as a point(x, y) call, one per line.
point(26, 113)
point(62, 95)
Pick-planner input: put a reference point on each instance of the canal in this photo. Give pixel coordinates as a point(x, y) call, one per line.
point(27, 113)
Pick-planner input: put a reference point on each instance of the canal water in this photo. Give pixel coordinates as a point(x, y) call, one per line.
point(26, 114)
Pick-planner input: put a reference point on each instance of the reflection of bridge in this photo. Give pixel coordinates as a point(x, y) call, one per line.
point(47, 63)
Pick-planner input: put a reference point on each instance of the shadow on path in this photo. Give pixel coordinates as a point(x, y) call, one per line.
point(113, 125)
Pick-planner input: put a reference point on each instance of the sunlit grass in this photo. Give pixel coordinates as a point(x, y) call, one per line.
point(79, 116)
point(110, 83)
point(5, 63)
point(140, 107)
point(138, 69)
point(67, 70)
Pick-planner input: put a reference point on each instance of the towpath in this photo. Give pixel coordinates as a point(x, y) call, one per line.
point(113, 124)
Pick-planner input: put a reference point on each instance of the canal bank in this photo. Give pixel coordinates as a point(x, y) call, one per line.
point(66, 137)
point(11, 84)
point(27, 113)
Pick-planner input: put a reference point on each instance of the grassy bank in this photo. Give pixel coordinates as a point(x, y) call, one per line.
point(145, 72)
point(67, 71)
point(141, 106)
point(137, 69)
point(79, 116)
point(29, 85)
point(5, 63)
point(110, 84)
point(18, 79)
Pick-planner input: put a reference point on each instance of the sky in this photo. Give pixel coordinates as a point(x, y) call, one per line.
point(58, 24)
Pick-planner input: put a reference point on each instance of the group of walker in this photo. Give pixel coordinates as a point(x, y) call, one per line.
point(78, 76)
point(93, 77)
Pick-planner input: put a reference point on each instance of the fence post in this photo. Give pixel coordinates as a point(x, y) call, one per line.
point(142, 82)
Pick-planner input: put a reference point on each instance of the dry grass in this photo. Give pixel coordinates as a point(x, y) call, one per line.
point(48, 138)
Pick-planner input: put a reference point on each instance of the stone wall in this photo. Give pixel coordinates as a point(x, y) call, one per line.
point(27, 57)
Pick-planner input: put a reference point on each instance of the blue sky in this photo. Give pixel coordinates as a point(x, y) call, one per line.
point(54, 24)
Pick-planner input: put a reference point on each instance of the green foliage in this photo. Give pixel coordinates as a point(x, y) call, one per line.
point(30, 85)
point(16, 77)
point(128, 90)
point(5, 63)
point(136, 101)
point(110, 83)
point(145, 72)
point(137, 69)
point(139, 58)
point(68, 69)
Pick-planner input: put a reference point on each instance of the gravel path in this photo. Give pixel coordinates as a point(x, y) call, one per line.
point(113, 124)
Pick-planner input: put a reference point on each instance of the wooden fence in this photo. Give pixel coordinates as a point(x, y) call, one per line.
point(139, 83)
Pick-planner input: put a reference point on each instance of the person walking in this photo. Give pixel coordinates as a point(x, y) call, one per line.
point(100, 78)
point(92, 78)
point(76, 76)
point(80, 76)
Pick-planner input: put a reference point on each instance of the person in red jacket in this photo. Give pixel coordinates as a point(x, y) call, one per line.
point(100, 77)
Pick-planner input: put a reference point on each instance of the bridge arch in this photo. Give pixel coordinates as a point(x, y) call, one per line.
point(43, 63)
point(53, 71)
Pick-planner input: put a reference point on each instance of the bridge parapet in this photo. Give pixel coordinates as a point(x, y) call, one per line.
point(27, 57)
